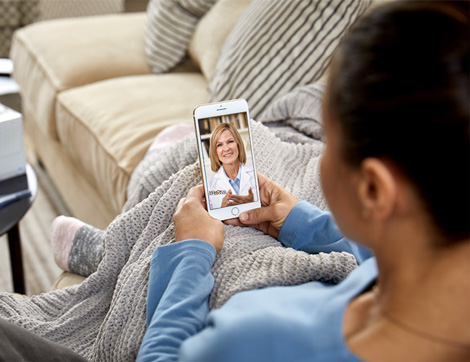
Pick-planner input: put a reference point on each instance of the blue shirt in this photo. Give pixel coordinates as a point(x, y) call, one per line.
point(296, 323)
point(235, 183)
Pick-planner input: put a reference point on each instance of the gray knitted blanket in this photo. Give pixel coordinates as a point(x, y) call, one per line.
point(104, 317)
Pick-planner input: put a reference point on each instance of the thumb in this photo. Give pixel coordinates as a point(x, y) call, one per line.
point(250, 191)
point(256, 216)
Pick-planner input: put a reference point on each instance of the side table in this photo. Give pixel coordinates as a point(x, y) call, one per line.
point(10, 216)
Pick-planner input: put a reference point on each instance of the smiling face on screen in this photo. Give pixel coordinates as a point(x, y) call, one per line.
point(227, 148)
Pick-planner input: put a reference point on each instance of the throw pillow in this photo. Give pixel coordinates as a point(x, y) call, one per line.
point(278, 45)
point(298, 109)
point(170, 25)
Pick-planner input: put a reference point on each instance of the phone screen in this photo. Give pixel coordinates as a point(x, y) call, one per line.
point(227, 162)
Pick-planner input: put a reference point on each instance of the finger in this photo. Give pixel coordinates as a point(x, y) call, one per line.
point(256, 216)
point(234, 222)
point(196, 193)
point(204, 204)
point(266, 188)
point(180, 204)
point(262, 180)
point(264, 227)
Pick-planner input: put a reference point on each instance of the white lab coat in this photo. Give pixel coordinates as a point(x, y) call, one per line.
point(218, 185)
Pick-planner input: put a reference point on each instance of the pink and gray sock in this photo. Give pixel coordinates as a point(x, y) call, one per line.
point(77, 246)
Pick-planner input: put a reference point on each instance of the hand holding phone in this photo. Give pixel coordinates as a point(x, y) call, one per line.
point(277, 205)
point(227, 160)
point(193, 222)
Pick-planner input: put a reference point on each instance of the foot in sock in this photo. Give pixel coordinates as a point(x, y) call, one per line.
point(77, 247)
point(63, 232)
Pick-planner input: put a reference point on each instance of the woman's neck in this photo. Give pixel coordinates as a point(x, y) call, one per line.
point(231, 170)
point(422, 301)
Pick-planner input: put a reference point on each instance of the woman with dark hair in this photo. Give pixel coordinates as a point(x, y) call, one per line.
point(395, 173)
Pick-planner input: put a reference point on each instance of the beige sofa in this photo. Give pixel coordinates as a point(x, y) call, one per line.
point(92, 107)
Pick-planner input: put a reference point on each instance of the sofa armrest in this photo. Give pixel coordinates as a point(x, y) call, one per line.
point(77, 51)
point(67, 279)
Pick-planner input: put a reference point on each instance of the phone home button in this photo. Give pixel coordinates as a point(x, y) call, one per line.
point(235, 211)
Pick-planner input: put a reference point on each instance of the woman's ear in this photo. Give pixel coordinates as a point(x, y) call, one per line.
point(377, 189)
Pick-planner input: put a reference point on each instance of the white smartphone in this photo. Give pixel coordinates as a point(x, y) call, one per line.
point(227, 160)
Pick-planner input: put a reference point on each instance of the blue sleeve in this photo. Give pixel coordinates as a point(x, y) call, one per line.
point(180, 282)
point(312, 230)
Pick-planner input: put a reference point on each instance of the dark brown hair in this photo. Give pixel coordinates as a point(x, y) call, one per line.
point(399, 87)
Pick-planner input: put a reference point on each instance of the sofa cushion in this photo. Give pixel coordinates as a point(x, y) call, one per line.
point(81, 199)
point(206, 43)
point(67, 279)
point(107, 127)
point(278, 45)
point(170, 26)
point(60, 54)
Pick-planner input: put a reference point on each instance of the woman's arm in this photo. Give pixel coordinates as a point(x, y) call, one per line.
point(299, 225)
point(312, 230)
point(180, 283)
point(181, 280)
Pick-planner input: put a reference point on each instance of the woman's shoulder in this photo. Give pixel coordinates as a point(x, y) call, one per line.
point(300, 321)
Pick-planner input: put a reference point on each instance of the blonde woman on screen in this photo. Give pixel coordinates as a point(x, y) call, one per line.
point(233, 182)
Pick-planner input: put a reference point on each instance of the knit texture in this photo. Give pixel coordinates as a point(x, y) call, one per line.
point(104, 318)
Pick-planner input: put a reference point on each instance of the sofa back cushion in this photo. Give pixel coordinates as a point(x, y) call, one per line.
point(278, 45)
point(170, 26)
point(212, 31)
